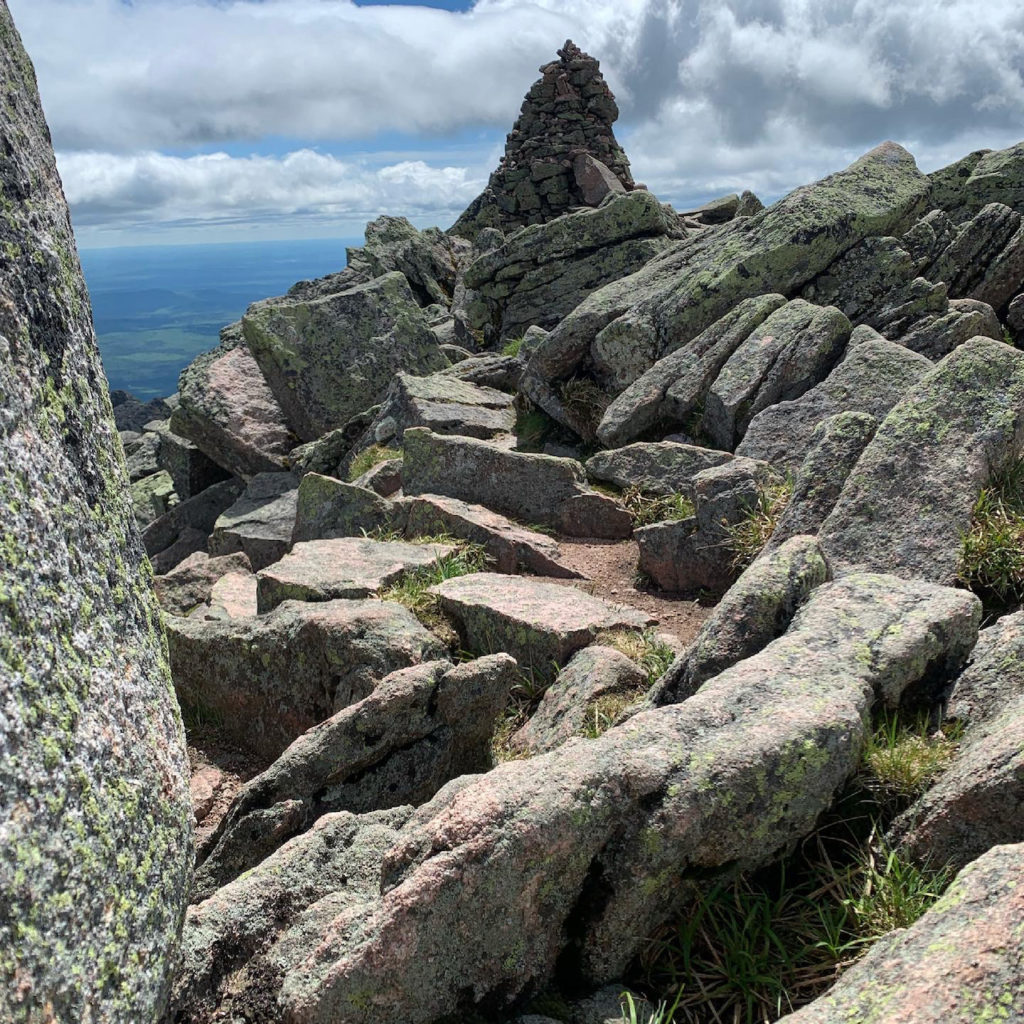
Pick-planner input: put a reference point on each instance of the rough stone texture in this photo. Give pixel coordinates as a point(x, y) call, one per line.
point(510, 548)
point(540, 624)
point(833, 450)
point(229, 412)
point(755, 610)
point(634, 322)
point(565, 709)
point(260, 522)
point(960, 963)
point(535, 488)
point(979, 800)
point(543, 272)
point(794, 349)
point(982, 177)
point(132, 414)
point(274, 676)
point(872, 378)
point(569, 111)
point(419, 728)
point(233, 596)
point(443, 404)
point(189, 583)
point(153, 497)
point(328, 359)
point(937, 336)
point(908, 502)
point(995, 675)
point(385, 478)
point(140, 452)
point(95, 814)
point(677, 383)
point(656, 467)
point(727, 778)
point(352, 567)
point(198, 515)
point(490, 370)
point(338, 860)
point(326, 507)
point(595, 180)
point(696, 553)
point(976, 250)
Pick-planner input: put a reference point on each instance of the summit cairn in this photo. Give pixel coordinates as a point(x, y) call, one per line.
point(560, 153)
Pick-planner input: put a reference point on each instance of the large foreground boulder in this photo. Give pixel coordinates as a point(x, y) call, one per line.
point(95, 815)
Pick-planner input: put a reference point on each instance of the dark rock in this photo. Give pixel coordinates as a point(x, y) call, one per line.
point(191, 469)
point(197, 515)
point(594, 180)
point(95, 811)
point(132, 414)
point(274, 676)
point(490, 371)
point(908, 502)
point(660, 467)
point(936, 336)
point(260, 522)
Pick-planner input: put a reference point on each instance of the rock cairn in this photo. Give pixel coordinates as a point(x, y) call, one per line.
point(561, 152)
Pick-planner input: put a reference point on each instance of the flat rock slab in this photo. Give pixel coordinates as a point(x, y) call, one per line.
point(260, 522)
point(349, 567)
point(327, 507)
point(271, 677)
point(535, 488)
point(511, 547)
point(540, 624)
point(658, 467)
point(189, 584)
point(908, 502)
point(233, 596)
point(960, 963)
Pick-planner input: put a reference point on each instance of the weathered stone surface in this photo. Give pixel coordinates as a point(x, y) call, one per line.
point(657, 467)
point(338, 860)
point(907, 503)
point(140, 453)
point(132, 414)
point(535, 488)
point(228, 410)
point(326, 507)
point(687, 288)
point(834, 449)
point(717, 211)
point(696, 553)
point(568, 111)
point(540, 624)
point(328, 359)
point(203, 790)
point(260, 522)
point(995, 675)
point(443, 404)
point(677, 383)
point(779, 732)
point(594, 180)
point(543, 272)
point(274, 676)
point(755, 610)
point(189, 583)
point(871, 379)
point(419, 728)
point(566, 707)
point(510, 547)
point(960, 963)
point(192, 471)
point(794, 349)
point(490, 370)
point(936, 336)
point(153, 497)
point(1004, 275)
point(352, 567)
point(384, 479)
point(964, 263)
point(982, 177)
point(95, 815)
point(233, 596)
point(198, 515)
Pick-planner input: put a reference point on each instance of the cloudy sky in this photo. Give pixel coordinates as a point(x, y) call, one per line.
point(220, 120)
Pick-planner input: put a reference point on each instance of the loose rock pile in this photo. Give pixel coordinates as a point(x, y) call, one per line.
point(475, 779)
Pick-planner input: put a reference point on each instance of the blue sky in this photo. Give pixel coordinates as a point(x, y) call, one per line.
point(220, 120)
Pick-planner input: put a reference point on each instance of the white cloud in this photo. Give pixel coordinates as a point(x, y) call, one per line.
point(715, 95)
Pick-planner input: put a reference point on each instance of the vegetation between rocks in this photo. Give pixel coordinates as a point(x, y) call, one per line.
point(585, 403)
point(370, 457)
point(750, 534)
point(645, 509)
point(992, 553)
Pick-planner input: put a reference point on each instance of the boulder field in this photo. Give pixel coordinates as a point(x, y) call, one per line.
point(520, 585)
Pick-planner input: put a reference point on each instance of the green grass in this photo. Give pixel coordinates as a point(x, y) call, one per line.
point(992, 550)
point(525, 695)
point(645, 509)
point(752, 947)
point(644, 647)
point(413, 589)
point(750, 534)
point(512, 347)
point(370, 457)
point(532, 427)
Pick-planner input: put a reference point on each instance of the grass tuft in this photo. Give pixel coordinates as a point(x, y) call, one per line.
point(585, 402)
point(525, 695)
point(512, 347)
point(644, 647)
point(532, 426)
point(992, 551)
point(645, 509)
point(749, 536)
point(370, 457)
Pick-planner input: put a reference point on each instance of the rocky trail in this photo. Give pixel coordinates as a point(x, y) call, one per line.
point(523, 587)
